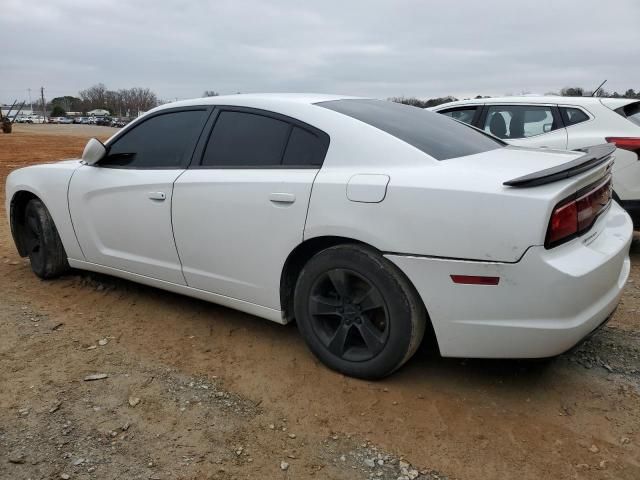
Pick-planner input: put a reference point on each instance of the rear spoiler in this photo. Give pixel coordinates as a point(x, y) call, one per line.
point(593, 156)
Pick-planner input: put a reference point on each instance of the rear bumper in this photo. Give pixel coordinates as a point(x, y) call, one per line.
point(543, 305)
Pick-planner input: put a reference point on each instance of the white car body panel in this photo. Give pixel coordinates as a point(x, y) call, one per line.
point(524, 317)
point(444, 195)
point(235, 228)
point(117, 223)
point(49, 181)
point(224, 235)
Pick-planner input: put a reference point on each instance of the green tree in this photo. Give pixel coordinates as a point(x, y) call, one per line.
point(69, 103)
point(58, 111)
point(572, 92)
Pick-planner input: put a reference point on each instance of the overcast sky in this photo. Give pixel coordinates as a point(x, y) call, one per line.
point(371, 48)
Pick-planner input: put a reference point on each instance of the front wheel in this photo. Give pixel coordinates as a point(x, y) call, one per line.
point(43, 244)
point(357, 312)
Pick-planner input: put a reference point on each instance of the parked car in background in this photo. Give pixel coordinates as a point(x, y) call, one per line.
point(121, 122)
point(65, 120)
point(103, 121)
point(366, 221)
point(565, 123)
point(34, 119)
point(78, 119)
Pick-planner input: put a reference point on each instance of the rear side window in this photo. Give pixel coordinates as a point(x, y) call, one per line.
point(464, 115)
point(163, 141)
point(253, 140)
point(572, 116)
point(242, 139)
point(519, 121)
point(434, 134)
point(304, 148)
point(631, 112)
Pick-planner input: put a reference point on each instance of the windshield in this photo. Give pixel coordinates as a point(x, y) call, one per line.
point(436, 135)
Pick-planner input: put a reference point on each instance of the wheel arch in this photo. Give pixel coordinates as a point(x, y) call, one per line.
point(295, 262)
point(17, 208)
point(307, 249)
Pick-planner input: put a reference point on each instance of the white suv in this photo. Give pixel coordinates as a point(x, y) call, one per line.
point(565, 123)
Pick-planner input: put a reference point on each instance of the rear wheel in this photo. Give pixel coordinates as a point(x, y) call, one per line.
point(42, 242)
point(357, 312)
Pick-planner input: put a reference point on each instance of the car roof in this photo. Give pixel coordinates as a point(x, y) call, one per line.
point(247, 99)
point(540, 99)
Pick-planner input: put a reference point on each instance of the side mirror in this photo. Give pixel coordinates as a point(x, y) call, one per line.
point(93, 152)
point(546, 128)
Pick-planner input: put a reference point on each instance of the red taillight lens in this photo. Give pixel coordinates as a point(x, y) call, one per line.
point(564, 223)
point(577, 214)
point(626, 143)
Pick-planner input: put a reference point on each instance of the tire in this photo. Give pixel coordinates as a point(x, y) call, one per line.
point(43, 244)
point(357, 312)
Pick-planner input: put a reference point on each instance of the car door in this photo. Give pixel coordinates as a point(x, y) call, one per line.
point(121, 207)
point(525, 125)
point(241, 209)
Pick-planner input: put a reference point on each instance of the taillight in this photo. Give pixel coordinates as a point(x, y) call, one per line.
point(576, 214)
point(626, 143)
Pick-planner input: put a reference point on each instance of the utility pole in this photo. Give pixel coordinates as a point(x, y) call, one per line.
point(44, 111)
point(30, 102)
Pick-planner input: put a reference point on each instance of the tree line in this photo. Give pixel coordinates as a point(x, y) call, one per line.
point(125, 102)
point(131, 101)
point(565, 92)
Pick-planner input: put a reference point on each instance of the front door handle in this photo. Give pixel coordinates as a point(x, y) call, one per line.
point(278, 197)
point(159, 196)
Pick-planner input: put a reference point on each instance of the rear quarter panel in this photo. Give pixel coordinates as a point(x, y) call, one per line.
point(456, 208)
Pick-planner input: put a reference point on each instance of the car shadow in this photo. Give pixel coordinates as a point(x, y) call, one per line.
point(426, 366)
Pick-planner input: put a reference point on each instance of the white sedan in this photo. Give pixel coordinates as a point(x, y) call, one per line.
point(368, 222)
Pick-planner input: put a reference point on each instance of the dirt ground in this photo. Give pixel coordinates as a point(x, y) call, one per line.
point(194, 390)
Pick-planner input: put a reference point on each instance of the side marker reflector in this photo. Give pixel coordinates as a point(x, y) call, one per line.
point(475, 280)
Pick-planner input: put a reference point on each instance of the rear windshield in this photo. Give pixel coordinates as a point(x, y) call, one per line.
point(436, 135)
point(630, 112)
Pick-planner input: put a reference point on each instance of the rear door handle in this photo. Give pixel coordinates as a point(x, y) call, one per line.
point(278, 197)
point(159, 196)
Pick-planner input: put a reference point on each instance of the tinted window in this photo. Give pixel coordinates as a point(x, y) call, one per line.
point(163, 141)
point(631, 112)
point(241, 139)
point(519, 121)
point(304, 148)
point(571, 116)
point(434, 134)
point(462, 114)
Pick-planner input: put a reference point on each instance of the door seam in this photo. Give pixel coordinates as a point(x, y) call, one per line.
point(173, 232)
point(73, 227)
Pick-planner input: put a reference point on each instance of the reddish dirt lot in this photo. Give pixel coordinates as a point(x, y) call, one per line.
point(195, 390)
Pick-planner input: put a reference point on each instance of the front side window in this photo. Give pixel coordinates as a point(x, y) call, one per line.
point(519, 121)
point(162, 141)
point(432, 133)
point(464, 115)
point(571, 116)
